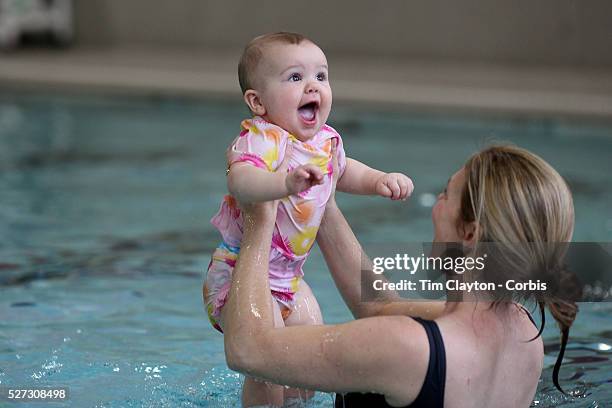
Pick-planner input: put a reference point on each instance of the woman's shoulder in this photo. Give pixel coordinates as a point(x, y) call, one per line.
point(400, 341)
point(402, 352)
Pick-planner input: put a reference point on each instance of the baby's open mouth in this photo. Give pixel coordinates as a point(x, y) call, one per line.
point(308, 112)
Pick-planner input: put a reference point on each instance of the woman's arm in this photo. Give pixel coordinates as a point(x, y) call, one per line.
point(346, 260)
point(351, 269)
point(356, 356)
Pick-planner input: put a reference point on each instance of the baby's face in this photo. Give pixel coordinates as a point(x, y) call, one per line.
point(294, 89)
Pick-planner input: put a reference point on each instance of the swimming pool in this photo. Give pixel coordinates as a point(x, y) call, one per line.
point(105, 235)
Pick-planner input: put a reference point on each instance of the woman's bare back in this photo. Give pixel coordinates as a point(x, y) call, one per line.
point(491, 358)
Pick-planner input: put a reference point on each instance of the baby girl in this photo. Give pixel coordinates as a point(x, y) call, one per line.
point(284, 80)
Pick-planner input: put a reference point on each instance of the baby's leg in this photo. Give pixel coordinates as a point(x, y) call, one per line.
point(259, 393)
point(304, 311)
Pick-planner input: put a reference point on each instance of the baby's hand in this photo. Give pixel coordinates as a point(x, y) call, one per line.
point(303, 177)
point(395, 186)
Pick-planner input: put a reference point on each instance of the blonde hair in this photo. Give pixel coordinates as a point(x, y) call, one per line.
point(253, 53)
point(519, 202)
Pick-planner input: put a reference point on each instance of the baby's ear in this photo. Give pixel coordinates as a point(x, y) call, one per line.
point(251, 98)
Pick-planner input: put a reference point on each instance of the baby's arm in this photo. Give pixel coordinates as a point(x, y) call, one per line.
point(361, 179)
point(249, 184)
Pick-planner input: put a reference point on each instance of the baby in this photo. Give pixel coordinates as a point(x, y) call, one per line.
point(284, 80)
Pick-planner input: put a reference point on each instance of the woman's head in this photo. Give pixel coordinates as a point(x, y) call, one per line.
point(515, 196)
point(512, 200)
point(504, 194)
point(509, 196)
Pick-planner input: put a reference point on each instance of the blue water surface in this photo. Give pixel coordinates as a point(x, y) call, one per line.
point(104, 238)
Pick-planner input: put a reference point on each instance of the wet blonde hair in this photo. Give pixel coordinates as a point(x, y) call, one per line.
point(514, 197)
point(253, 53)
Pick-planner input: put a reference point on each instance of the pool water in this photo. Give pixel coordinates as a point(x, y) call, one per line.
point(104, 237)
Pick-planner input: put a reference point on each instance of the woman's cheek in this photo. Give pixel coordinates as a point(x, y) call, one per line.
point(434, 219)
point(435, 211)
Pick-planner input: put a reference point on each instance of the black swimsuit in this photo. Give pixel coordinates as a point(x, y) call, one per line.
point(432, 391)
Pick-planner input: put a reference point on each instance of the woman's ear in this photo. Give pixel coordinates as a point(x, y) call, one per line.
point(470, 234)
point(251, 98)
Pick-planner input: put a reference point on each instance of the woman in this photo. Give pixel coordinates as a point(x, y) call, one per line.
point(464, 354)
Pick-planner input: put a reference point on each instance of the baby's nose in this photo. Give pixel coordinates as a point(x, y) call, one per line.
point(312, 87)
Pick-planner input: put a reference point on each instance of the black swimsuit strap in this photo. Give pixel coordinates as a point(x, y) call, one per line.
point(432, 392)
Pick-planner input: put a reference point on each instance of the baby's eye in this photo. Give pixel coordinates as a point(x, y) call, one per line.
point(321, 76)
point(295, 77)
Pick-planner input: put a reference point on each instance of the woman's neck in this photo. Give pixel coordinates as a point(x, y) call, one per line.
point(480, 309)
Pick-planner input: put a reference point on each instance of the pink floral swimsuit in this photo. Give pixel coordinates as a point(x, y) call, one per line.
point(262, 144)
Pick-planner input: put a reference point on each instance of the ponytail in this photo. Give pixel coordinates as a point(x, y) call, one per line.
point(561, 302)
point(564, 313)
point(564, 309)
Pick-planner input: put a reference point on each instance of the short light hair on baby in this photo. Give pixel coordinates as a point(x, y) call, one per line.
point(253, 52)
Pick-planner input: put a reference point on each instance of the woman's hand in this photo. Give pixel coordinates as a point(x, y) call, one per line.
point(254, 214)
